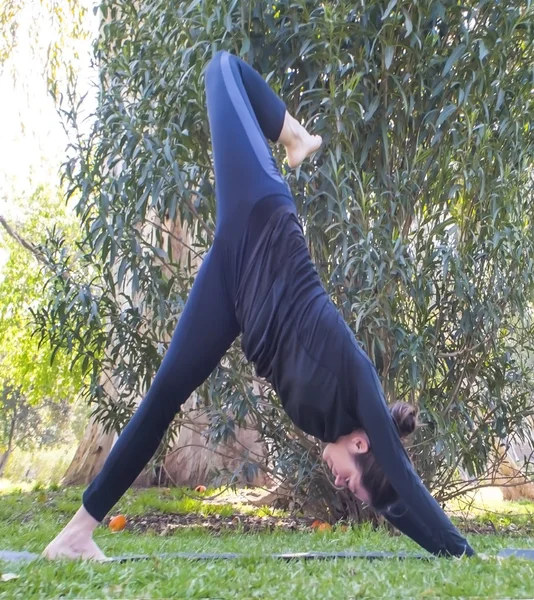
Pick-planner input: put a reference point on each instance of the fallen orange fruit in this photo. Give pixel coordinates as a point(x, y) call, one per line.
point(117, 523)
point(324, 527)
point(200, 489)
point(316, 524)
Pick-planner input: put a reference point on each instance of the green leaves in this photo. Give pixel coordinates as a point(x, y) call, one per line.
point(445, 114)
point(372, 109)
point(407, 22)
point(482, 50)
point(38, 383)
point(388, 56)
point(455, 55)
point(391, 5)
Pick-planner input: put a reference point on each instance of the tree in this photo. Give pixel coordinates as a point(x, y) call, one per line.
point(417, 211)
point(38, 385)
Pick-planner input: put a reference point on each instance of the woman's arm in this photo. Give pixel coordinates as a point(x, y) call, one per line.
point(401, 517)
point(425, 522)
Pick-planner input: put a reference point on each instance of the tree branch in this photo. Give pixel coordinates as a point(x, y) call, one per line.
point(31, 247)
point(18, 238)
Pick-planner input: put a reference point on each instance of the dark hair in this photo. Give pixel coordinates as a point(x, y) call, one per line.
point(382, 493)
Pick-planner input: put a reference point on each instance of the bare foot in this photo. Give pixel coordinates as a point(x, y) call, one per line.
point(68, 545)
point(76, 539)
point(298, 142)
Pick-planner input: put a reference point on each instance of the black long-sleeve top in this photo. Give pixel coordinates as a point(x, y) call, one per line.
point(299, 342)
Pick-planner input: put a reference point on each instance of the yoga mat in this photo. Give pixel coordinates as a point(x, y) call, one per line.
point(525, 553)
point(28, 556)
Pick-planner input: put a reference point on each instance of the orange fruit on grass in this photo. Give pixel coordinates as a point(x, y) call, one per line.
point(324, 527)
point(117, 523)
point(200, 489)
point(316, 524)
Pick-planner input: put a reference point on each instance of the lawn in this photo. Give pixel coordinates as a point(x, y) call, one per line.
point(30, 518)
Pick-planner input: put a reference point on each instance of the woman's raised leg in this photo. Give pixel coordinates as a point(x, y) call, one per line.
point(244, 112)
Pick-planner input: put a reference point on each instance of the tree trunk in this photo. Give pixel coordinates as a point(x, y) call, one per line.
point(7, 453)
point(90, 455)
point(3, 460)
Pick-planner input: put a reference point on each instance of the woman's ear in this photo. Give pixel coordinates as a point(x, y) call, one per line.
point(359, 442)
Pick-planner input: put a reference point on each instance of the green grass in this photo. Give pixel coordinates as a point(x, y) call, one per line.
point(509, 517)
point(30, 519)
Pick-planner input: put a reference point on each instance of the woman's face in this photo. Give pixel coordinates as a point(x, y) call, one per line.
point(339, 456)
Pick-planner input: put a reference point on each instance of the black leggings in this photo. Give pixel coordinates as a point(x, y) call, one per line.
point(243, 111)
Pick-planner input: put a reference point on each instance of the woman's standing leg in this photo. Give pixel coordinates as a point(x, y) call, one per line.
point(206, 329)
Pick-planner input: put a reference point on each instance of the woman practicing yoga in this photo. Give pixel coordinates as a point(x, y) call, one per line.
point(258, 280)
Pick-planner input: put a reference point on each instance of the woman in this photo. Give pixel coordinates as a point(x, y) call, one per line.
point(258, 280)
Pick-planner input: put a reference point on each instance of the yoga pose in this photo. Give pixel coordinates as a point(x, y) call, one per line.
point(258, 280)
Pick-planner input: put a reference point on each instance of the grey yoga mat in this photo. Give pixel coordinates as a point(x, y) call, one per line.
point(8, 555)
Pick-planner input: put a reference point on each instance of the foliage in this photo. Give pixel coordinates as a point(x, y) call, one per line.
point(38, 383)
point(24, 361)
point(418, 210)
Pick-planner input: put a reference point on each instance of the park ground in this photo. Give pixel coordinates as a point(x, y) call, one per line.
point(181, 520)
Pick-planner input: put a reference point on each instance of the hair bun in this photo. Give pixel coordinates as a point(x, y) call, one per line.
point(405, 417)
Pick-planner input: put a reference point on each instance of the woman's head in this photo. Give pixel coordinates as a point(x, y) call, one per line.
point(353, 464)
